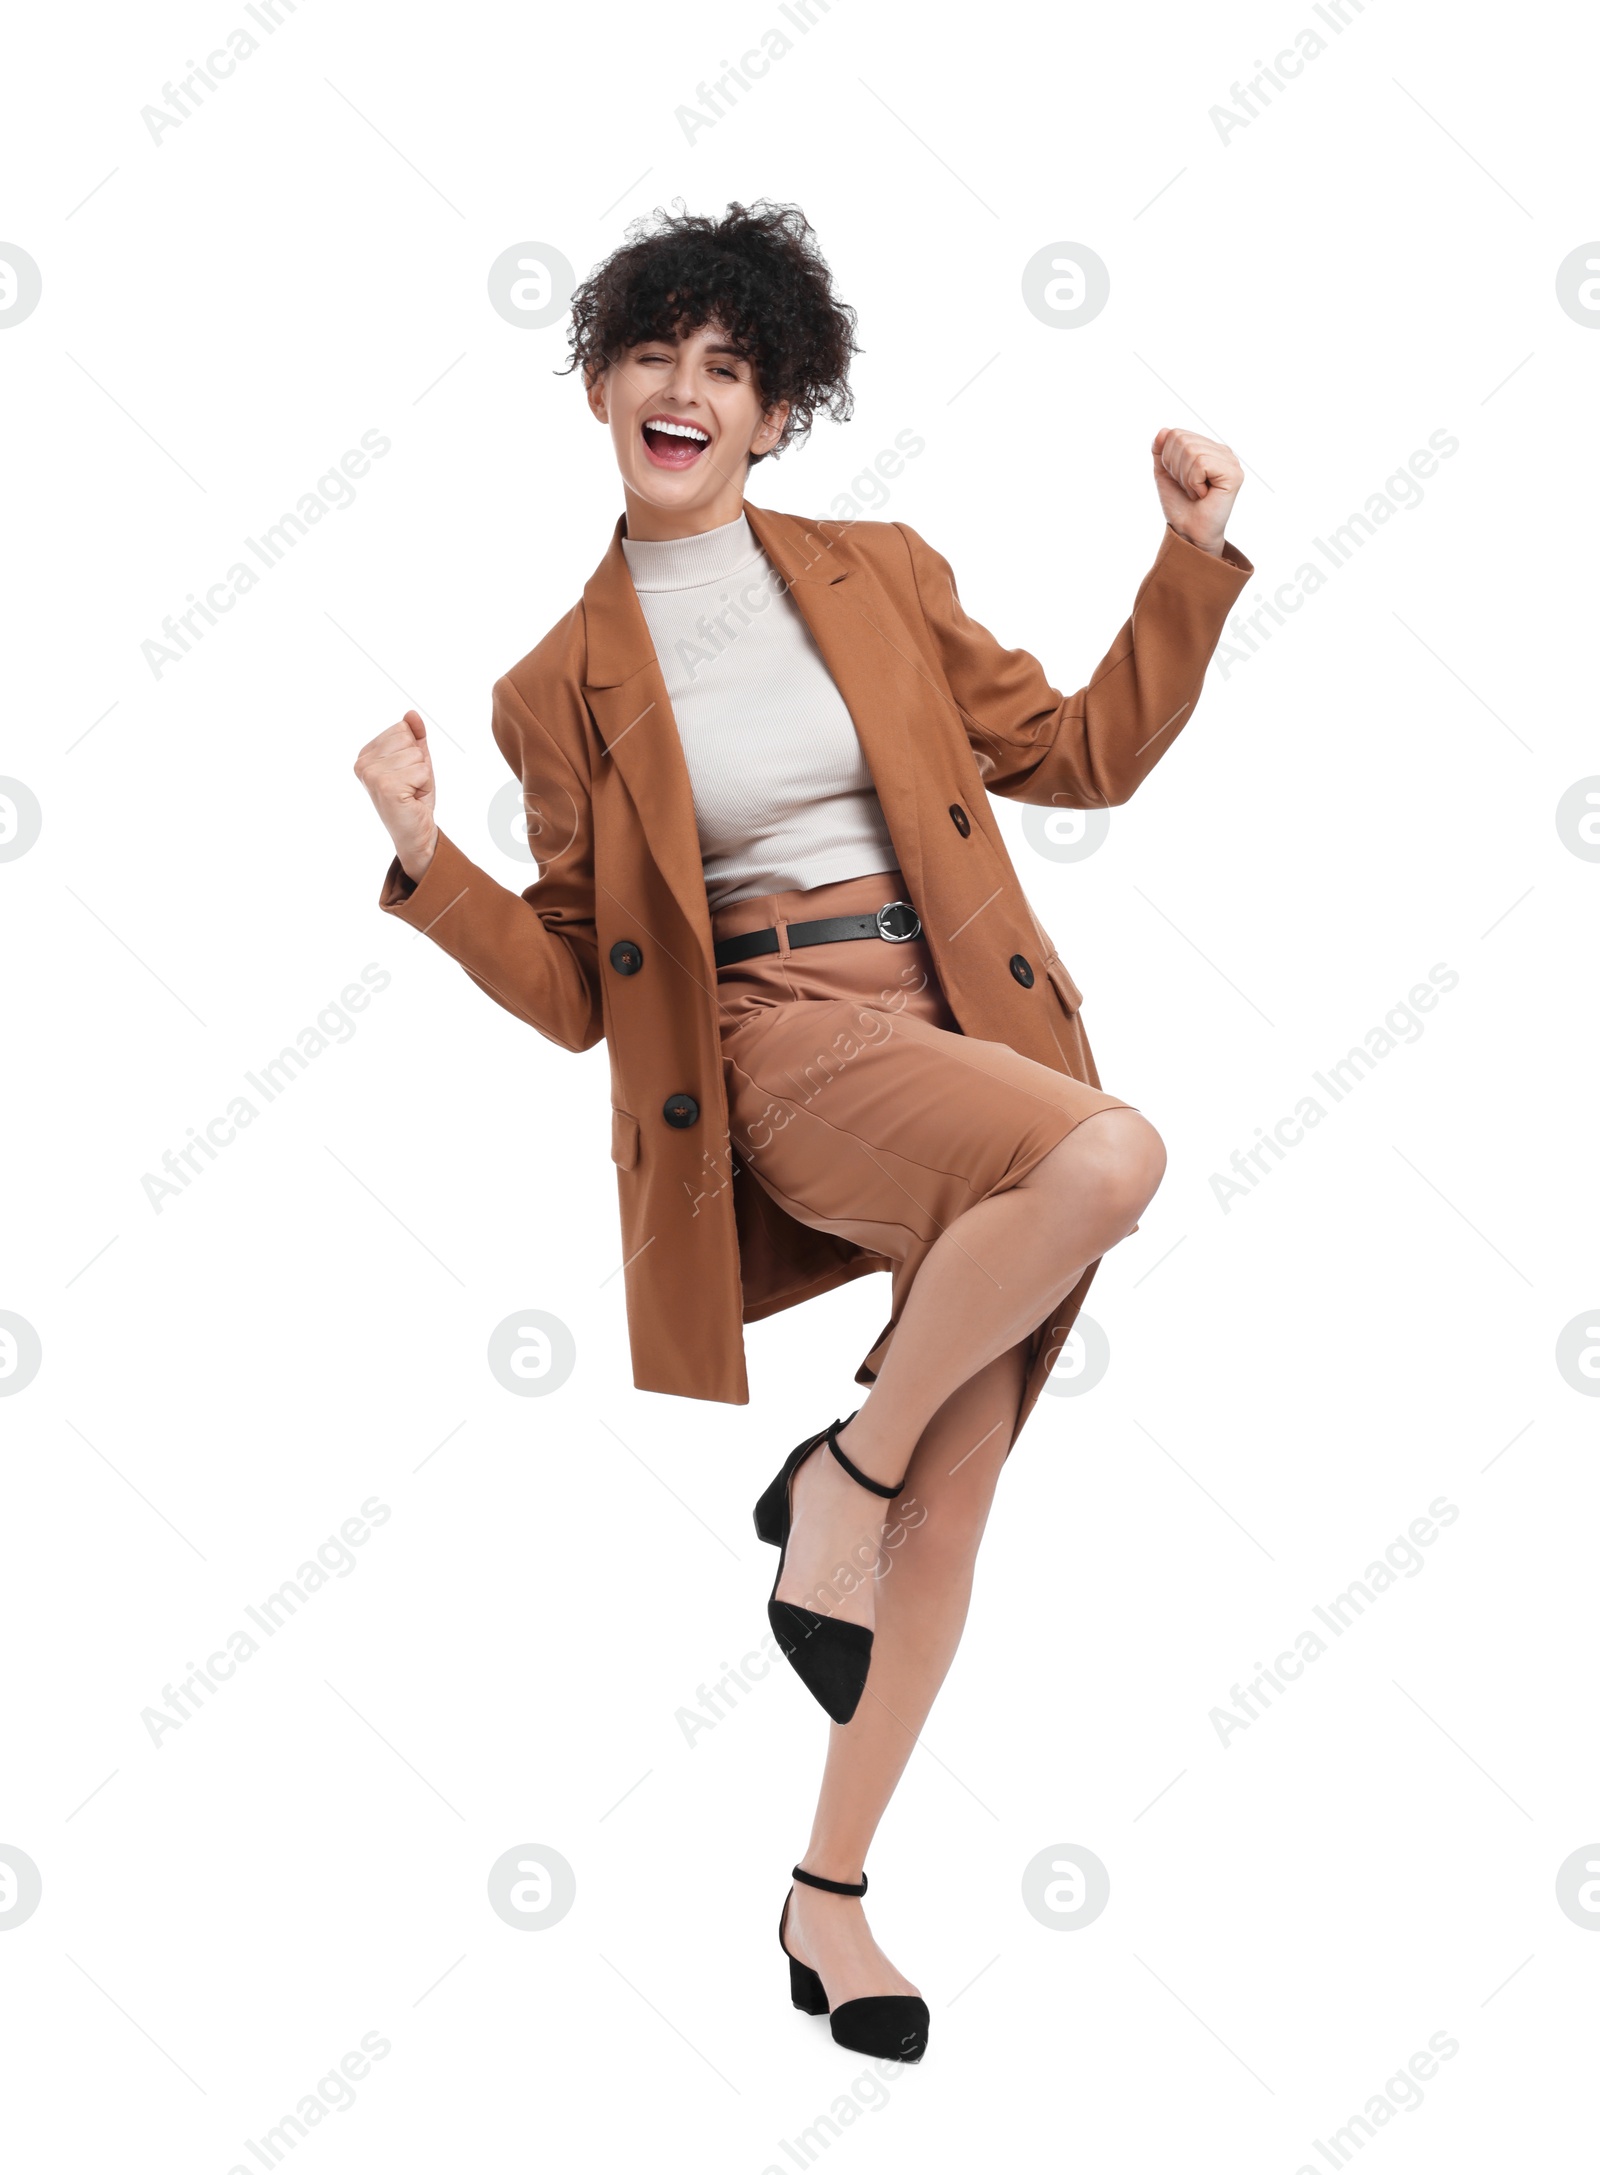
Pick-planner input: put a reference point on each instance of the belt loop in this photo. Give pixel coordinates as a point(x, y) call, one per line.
point(781, 922)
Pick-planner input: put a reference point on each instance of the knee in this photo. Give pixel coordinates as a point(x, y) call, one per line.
point(1118, 1164)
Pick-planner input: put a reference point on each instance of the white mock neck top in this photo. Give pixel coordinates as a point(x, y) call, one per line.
point(783, 798)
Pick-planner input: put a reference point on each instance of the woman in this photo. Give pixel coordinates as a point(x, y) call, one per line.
point(754, 758)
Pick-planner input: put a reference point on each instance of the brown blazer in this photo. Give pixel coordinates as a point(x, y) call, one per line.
point(946, 715)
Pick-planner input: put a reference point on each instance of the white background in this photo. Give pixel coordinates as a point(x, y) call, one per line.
point(1292, 1382)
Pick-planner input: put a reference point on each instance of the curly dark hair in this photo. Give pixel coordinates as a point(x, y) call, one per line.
point(757, 273)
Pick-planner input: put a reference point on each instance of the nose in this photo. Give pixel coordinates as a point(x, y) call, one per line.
point(678, 392)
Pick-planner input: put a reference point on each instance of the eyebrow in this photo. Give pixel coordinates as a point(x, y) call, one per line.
point(717, 347)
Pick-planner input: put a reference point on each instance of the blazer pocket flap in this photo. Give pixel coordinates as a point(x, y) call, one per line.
point(1065, 987)
point(624, 1140)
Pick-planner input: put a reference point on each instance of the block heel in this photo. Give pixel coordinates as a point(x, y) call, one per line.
point(805, 1988)
point(893, 2027)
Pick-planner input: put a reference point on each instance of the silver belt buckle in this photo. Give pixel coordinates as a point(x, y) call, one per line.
point(890, 921)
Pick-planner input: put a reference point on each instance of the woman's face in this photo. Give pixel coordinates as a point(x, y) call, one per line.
point(685, 418)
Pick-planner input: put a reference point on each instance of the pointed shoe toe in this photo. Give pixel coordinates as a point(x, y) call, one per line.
point(831, 1658)
point(892, 2027)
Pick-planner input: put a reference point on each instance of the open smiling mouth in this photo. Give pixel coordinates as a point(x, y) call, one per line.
point(671, 444)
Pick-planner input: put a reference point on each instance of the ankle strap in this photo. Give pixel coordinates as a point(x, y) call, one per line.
point(833, 1887)
point(861, 1479)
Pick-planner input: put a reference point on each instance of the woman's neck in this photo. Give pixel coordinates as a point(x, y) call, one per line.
point(649, 524)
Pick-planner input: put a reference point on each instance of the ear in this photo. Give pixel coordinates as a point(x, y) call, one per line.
point(595, 394)
point(771, 429)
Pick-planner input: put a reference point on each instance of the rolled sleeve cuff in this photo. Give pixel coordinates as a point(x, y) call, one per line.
point(1229, 571)
point(423, 905)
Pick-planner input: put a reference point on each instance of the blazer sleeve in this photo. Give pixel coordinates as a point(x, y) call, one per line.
point(1091, 749)
point(534, 952)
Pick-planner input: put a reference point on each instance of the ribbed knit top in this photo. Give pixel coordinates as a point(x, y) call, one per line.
point(783, 798)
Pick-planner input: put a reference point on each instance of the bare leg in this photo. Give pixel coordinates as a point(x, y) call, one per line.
point(987, 1283)
point(930, 1545)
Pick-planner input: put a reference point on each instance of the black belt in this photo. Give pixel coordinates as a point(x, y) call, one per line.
point(895, 923)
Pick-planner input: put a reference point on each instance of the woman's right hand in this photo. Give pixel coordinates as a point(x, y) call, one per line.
point(397, 771)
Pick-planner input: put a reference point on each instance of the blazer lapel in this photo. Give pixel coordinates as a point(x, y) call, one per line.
point(837, 605)
point(628, 700)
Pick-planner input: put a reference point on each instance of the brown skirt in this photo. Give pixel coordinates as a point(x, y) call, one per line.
point(855, 1100)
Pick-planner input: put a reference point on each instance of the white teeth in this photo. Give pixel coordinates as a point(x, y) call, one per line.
point(679, 430)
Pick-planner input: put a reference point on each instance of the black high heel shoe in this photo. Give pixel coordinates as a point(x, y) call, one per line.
point(829, 1656)
point(893, 2027)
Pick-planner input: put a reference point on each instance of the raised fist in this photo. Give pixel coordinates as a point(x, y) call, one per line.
point(1197, 482)
point(397, 771)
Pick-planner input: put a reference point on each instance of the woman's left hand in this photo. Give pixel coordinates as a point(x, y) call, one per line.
point(1197, 482)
